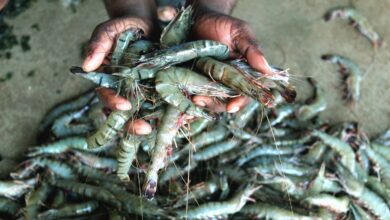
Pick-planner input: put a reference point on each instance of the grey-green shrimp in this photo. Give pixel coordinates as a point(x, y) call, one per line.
point(91, 174)
point(115, 122)
point(268, 211)
point(166, 133)
point(59, 147)
point(342, 148)
point(365, 196)
point(216, 149)
point(358, 21)
point(153, 62)
point(95, 161)
point(16, 188)
point(87, 190)
point(70, 211)
point(99, 78)
point(351, 76)
point(322, 183)
point(35, 200)
point(9, 207)
point(128, 148)
point(66, 125)
point(123, 42)
point(263, 150)
point(135, 50)
point(212, 210)
point(171, 82)
point(67, 106)
point(332, 203)
point(60, 168)
point(215, 134)
point(194, 128)
point(177, 30)
point(308, 111)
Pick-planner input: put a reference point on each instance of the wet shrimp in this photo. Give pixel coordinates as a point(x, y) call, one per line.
point(67, 124)
point(35, 200)
point(351, 76)
point(219, 209)
point(358, 21)
point(16, 188)
point(177, 30)
point(319, 104)
point(70, 211)
point(128, 148)
point(171, 82)
point(123, 42)
point(169, 126)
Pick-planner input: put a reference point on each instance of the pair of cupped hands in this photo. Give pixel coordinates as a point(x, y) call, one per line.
point(233, 32)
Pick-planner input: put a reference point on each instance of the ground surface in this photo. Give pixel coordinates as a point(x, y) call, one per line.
point(292, 34)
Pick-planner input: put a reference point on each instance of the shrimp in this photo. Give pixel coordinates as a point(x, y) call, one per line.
point(195, 128)
point(59, 199)
point(66, 125)
point(381, 163)
point(59, 168)
point(67, 106)
point(283, 167)
point(153, 62)
point(365, 196)
point(343, 149)
point(59, 147)
point(165, 135)
point(382, 150)
point(220, 209)
point(94, 161)
point(276, 81)
point(264, 150)
point(307, 112)
point(316, 153)
point(93, 174)
point(35, 200)
point(99, 78)
point(133, 204)
point(70, 210)
point(216, 149)
point(135, 50)
point(359, 213)
point(177, 30)
point(285, 185)
point(379, 188)
point(127, 152)
point(358, 21)
point(27, 170)
point(123, 42)
point(351, 76)
point(321, 184)
point(173, 172)
point(197, 192)
point(332, 203)
point(9, 207)
point(244, 116)
point(86, 190)
point(216, 134)
point(170, 83)
point(115, 122)
point(268, 211)
point(17, 188)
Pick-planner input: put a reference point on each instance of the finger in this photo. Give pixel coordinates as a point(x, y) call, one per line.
point(138, 127)
point(166, 13)
point(251, 51)
point(104, 36)
point(212, 104)
point(3, 3)
point(238, 103)
point(110, 98)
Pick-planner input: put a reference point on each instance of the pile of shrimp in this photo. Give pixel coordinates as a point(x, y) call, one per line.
point(261, 163)
point(274, 159)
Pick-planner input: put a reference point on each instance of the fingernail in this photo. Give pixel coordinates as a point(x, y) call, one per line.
point(87, 66)
point(143, 131)
point(234, 110)
point(123, 106)
point(201, 104)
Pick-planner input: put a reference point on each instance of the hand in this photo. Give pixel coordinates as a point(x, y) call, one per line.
point(240, 39)
point(126, 14)
point(3, 3)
